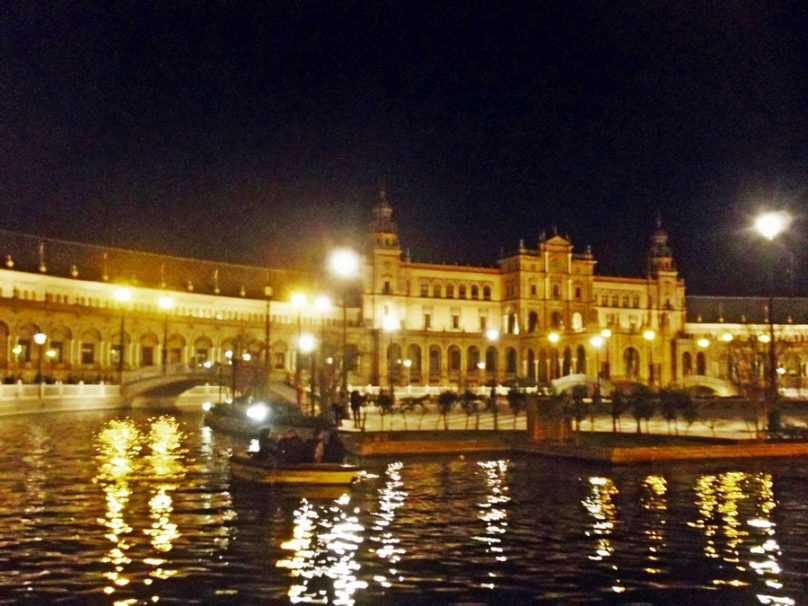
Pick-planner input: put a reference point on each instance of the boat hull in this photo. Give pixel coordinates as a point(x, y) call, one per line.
point(247, 468)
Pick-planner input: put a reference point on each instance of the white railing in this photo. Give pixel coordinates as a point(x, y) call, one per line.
point(20, 391)
point(418, 391)
point(149, 372)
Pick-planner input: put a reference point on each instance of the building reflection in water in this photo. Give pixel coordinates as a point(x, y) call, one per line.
point(322, 553)
point(391, 497)
point(654, 501)
point(601, 507)
point(493, 512)
point(724, 501)
point(118, 445)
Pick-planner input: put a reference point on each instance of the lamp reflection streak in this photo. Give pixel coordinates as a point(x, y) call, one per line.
point(323, 549)
point(655, 503)
point(600, 505)
point(492, 510)
point(391, 497)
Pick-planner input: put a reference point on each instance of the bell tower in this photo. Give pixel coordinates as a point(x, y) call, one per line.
point(660, 255)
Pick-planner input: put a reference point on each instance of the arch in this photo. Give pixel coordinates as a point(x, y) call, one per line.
point(450, 291)
point(454, 359)
point(556, 320)
point(434, 363)
point(279, 351)
point(475, 291)
point(202, 349)
point(532, 321)
point(486, 293)
point(60, 339)
point(4, 339)
point(555, 365)
point(687, 364)
point(631, 363)
point(510, 361)
point(90, 340)
point(491, 360)
point(148, 349)
point(472, 358)
point(701, 363)
point(414, 355)
point(512, 324)
point(174, 348)
point(531, 365)
point(556, 291)
point(567, 368)
point(577, 321)
point(393, 362)
point(580, 360)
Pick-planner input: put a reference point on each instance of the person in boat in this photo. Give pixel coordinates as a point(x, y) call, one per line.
point(291, 449)
point(315, 446)
point(267, 447)
point(333, 448)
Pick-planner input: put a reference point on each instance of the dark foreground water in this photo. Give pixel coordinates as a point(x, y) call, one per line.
point(127, 509)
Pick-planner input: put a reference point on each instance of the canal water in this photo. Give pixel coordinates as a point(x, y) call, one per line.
point(113, 508)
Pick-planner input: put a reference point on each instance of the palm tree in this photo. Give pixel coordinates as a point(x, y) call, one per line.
point(619, 405)
point(642, 405)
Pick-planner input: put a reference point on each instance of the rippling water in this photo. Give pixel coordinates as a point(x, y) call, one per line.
point(97, 508)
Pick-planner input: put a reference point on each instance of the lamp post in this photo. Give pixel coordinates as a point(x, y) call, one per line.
point(322, 304)
point(770, 225)
point(727, 338)
point(344, 263)
point(408, 364)
point(388, 326)
point(703, 343)
point(597, 342)
point(267, 347)
point(306, 344)
point(165, 303)
point(554, 338)
point(299, 301)
point(123, 296)
point(39, 339)
point(649, 335)
point(606, 333)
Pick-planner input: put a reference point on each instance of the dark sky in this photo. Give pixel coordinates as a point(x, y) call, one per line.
point(259, 133)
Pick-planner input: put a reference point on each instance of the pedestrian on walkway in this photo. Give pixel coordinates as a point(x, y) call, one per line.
point(356, 407)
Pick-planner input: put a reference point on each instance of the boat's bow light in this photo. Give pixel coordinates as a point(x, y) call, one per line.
point(258, 412)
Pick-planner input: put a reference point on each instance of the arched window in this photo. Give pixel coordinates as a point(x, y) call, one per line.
point(461, 291)
point(450, 291)
point(532, 321)
point(475, 292)
point(491, 361)
point(580, 360)
point(414, 356)
point(687, 364)
point(577, 322)
point(424, 289)
point(434, 363)
point(531, 365)
point(701, 363)
point(543, 370)
point(513, 327)
point(556, 291)
point(473, 357)
point(436, 291)
point(631, 363)
point(556, 320)
point(393, 362)
point(510, 361)
point(202, 347)
point(176, 343)
point(454, 359)
point(487, 293)
point(567, 370)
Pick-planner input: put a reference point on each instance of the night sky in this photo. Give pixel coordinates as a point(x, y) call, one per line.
point(260, 133)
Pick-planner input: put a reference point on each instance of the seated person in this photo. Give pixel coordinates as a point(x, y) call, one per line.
point(266, 445)
point(334, 449)
point(291, 449)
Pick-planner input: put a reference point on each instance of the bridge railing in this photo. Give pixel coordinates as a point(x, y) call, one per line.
point(149, 372)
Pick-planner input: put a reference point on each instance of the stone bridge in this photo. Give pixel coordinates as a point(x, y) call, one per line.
point(720, 387)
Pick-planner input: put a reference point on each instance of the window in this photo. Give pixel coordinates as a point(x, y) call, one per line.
point(175, 355)
point(532, 290)
point(424, 289)
point(385, 290)
point(57, 348)
point(147, 355)
point(483, 323)
point(427, 321)
point(450, 291)
point(279, 360)
point(636, 301)
point(625, 300)
point(436, 291)
point(201, 356)
point(455, 320)
point(577, 292)
point(532, 321)
point(556, 291)
point(115, 354)
point(475, 292)
point(487, 293)
point(577, 321)
point(88, 353)
point(25, 350)
point(614, 300)
point(461, 291)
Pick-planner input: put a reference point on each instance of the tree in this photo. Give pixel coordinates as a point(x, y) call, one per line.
point(517, 401)
point(577, 407)
point(468, 402)
point(642, 405)
point(688, 409)
point(669, 407)
point(619, 405)
point(445, 401)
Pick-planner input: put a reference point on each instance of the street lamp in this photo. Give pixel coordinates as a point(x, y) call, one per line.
point(408, 364)
point(770, 225)
point(606, 333)
point(165, 303)
point(299, 301)
point(322, 304)
point(389, 326)
point(344, 263)
point(649, 335)
point(232, 361)
point(492, 335)
point(39, 339)
point(727, 338)
point(597, 342)
point(306, 345)
point(554, 338)
point(123, 296)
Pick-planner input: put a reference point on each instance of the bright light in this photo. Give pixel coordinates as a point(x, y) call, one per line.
point(40, 338)
point(764, 338)
point(596, 341)
point(481, 365)
point(407, 363)
point(206, 406)
point(492, 334)
point(726, 337)
point(649, 335)
point(16, 350)
point(703, 343)
point(165, 303)
point(322, 304)
point(258, 412)
point(344, 262)
point(51, 353)
point(306, 343)
point(329, 360)
point(781, 370)
point(228, 354)
point(124, 295)
point(553, 337)
point(606, 333)
point(246, 356)
point(771, 224)
point(389, 323)
point(207, 364)
point(299, 299)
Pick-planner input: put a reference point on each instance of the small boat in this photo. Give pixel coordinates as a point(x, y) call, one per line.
point(245, 467)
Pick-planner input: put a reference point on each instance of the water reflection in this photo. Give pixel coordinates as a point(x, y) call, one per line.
point(723, 502)
point(322, 553)
point(391, 497)
point(655, 503)
point(601, 507)
point(493, 512)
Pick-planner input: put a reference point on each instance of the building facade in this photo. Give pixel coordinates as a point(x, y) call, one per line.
point(538, 315)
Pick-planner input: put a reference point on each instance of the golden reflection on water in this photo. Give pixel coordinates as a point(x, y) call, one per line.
point(322, 553)
point(493, 512)
point(121, 469)
point(654, 501)
point(601, 507)
point(744, 543)
point(391, 497)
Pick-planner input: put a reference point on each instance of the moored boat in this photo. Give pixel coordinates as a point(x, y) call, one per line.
point(245, 467)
